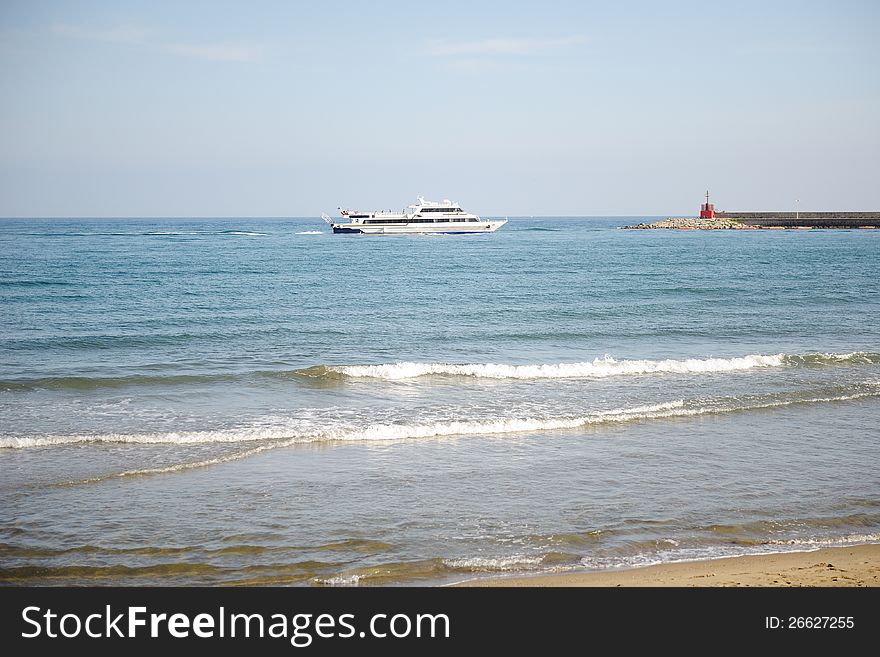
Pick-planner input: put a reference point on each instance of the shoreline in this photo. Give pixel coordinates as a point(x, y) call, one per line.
point(851, 566)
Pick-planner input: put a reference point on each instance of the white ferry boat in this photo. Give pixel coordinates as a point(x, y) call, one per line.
point(423, 217)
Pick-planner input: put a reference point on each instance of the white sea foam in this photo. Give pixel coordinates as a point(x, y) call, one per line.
point(518, 562)
point(270, 435)
point(855, 355)
point(180, 467)
point(598, 368)
point(237, 435)
point(724, 551)
point(341, 580)
point(174, 232)
point(849, 539)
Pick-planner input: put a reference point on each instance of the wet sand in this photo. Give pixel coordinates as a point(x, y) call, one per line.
point(840, 566)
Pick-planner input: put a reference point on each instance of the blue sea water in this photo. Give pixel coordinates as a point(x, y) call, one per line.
point(204, 401)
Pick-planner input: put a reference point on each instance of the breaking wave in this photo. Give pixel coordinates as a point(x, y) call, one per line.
point(288, 432)
point(598, 368)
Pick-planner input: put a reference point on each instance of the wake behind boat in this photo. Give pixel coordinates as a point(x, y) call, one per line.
point(423, 217)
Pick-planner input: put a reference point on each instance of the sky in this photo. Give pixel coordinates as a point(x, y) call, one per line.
point(232, 109)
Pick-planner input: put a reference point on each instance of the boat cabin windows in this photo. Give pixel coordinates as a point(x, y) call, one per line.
point(419, 219)
point(447, 210)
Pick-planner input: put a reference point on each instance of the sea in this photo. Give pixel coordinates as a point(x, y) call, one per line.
point(246, 401)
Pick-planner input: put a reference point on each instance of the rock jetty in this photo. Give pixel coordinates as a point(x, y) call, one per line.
point(695, 223)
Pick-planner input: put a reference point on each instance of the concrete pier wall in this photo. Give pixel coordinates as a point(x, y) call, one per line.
point(806, 219)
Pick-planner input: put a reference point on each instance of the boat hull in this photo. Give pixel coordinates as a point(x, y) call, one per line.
point(415, 228)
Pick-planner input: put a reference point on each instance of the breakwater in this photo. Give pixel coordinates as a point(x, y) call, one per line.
point(768, 220)
point(804, 219)
point(693, 223)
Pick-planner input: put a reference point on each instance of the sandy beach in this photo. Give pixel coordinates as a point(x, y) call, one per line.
point(840, 566)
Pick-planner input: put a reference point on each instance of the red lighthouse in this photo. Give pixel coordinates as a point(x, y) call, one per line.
point(707, 210)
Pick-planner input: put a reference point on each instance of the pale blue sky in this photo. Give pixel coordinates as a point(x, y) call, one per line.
point(533, 108)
